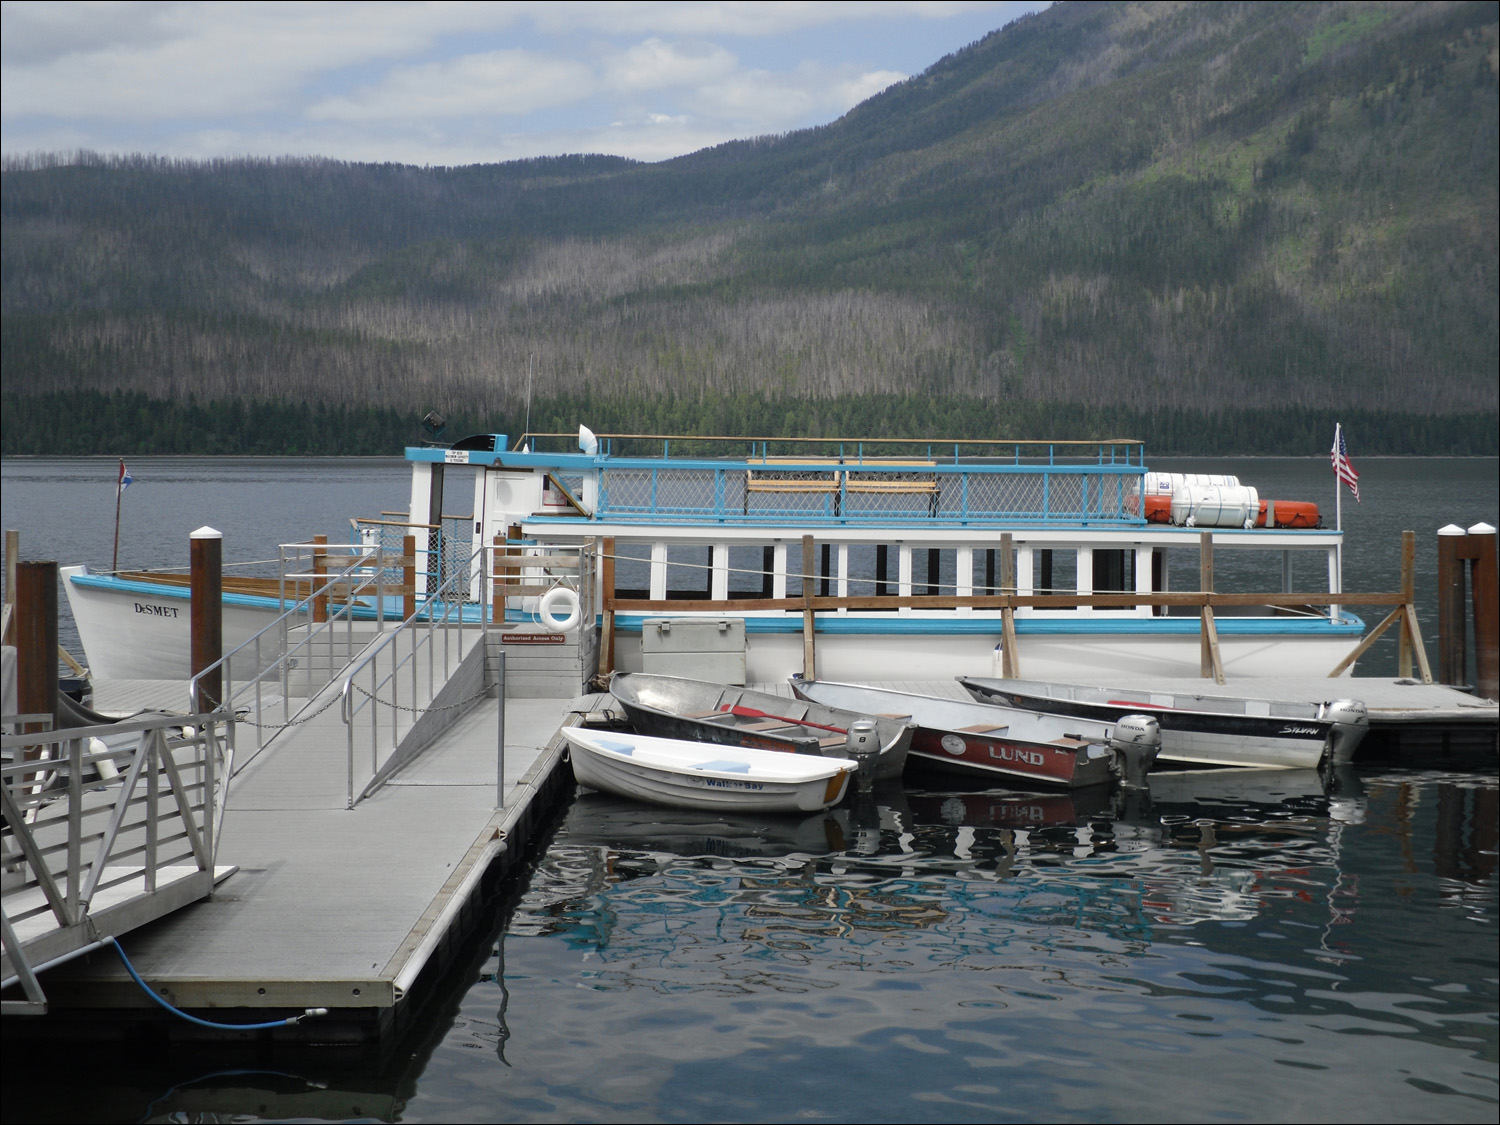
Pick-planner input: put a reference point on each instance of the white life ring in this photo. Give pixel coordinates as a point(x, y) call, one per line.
point(558, 599)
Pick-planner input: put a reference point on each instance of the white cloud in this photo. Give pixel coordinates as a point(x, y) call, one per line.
point(655, 64)
point(447, 82)
point(505, 83)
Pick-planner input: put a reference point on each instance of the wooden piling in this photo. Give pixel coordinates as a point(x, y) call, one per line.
point(206, 587)
point(1486, 587)
point(35, 632)
point(408, 576)
point(1453, 600)
point(1468, 590)
point(320, 584)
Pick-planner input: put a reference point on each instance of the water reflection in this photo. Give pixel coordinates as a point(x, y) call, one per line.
point(943, 954)
point(1289, 919)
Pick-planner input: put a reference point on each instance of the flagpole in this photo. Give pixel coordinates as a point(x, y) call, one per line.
point(114, 562)
point(1338, 516)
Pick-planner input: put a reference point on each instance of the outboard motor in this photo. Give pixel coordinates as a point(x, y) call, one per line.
point(863, 745)
point(1351, 722)
point(1136, 741)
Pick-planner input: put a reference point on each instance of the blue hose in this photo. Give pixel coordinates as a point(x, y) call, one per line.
point(288, 1022)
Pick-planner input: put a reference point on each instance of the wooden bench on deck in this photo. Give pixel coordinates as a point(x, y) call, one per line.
point(841, 478)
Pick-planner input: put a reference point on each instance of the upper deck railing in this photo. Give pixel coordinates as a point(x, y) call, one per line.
point(843, 482)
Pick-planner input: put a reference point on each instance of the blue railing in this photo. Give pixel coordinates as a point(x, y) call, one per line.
point(855, 492)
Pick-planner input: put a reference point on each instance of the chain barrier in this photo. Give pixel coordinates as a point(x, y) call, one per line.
point(422, 710)
point(289, 723)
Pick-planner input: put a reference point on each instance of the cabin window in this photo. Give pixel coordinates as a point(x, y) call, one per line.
point(689, 572)
point(750, 569)
point(987, 567)
point(632, 570)
point(934, 571)
point(1054, 571)
point(1114, 569)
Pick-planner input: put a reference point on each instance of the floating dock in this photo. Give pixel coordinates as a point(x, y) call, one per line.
point(333, 907)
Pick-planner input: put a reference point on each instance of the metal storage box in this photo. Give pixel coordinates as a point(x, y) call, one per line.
point(696, 647)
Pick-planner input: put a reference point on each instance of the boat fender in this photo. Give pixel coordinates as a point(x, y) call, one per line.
point(558, 600)
point(104, 767)
point(1136, 739)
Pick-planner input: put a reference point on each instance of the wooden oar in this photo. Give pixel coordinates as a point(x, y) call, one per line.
point(752, 713)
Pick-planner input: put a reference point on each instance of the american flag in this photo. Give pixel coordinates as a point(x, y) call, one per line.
point(1340, 456)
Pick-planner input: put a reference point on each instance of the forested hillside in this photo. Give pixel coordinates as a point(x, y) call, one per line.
point(1180, 221)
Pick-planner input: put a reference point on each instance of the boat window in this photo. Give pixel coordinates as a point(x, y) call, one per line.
point(1114, 569)
point(750, 571)
point(934, 571)
point(632, 570)
point(872, 570)
point(988, 567)
point(1238, 568)
point(689, 571)
point(1054, 571)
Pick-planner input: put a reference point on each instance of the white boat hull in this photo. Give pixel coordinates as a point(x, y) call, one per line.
point(130, 634)
point(694, 775)
point(1076, 655)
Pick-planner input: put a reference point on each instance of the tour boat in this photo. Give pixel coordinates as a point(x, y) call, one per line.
point(745, 560)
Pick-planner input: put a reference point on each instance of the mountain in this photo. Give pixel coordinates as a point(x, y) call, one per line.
point(1186, 217)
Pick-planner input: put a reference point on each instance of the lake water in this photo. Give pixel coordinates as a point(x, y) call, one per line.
point(1236, 945)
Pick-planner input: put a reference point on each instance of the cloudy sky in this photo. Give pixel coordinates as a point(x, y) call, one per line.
point(453, 83)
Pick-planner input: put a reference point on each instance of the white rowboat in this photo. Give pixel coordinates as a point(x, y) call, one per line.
point(696, 775)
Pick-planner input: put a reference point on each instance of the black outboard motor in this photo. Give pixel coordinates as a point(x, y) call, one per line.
point(1136, 741)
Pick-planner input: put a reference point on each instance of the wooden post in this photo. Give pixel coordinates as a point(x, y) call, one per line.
point(607, 585)
point(1453, 600)
point(1210, 662)
point(809, 626)
point(320, 587)
point(497, 582)
point(1486, 586)
point(35, 630)
point(408, 576)
point(1408, 598)
point(206, 553)
point(1010, 659)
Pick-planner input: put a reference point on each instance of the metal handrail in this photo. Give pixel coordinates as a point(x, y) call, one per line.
point(427, 612)
point(288, 656)
point(56, 830)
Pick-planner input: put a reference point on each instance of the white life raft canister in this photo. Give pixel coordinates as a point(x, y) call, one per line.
point(1215, 505)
